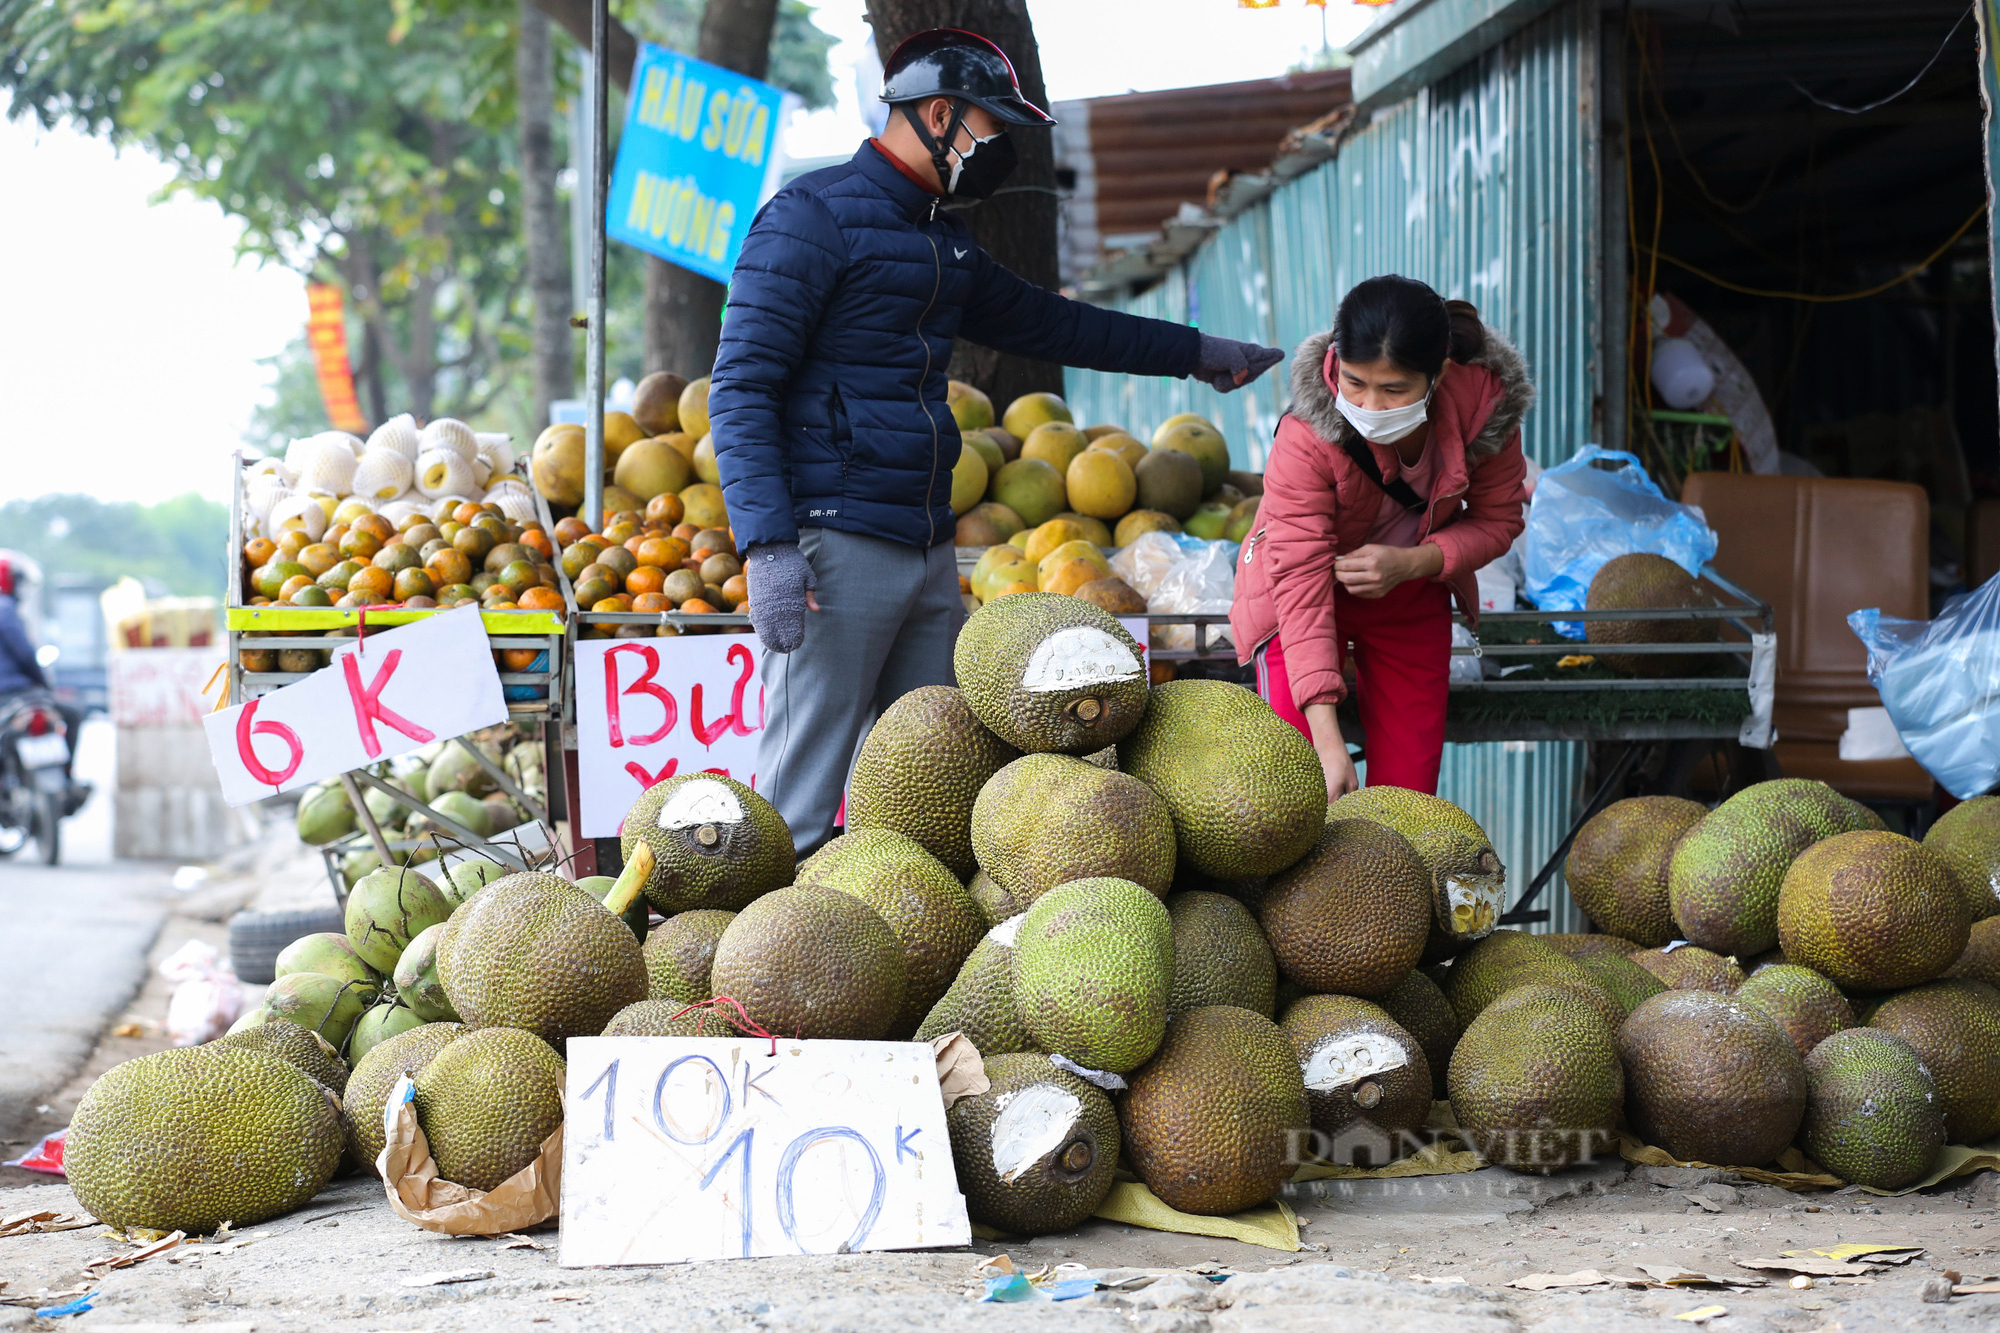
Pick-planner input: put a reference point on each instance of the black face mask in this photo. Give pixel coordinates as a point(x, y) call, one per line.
point(974, 173)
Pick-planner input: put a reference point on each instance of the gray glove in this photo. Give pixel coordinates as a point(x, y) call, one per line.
point(779, 576)
point(1223, 359)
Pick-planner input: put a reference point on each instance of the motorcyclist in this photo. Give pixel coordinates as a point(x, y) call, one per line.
point(21, 673)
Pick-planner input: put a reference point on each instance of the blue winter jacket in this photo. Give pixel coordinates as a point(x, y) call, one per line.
point(828, 397)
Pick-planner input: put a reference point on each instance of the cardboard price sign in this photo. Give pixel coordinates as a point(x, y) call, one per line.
point(682, 1148)
point(383, 696)
point(647, 709)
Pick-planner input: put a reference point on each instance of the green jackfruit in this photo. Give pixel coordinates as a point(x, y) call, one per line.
point(1246, 792)
point(1421, 1010)
point(1955, 1028)
point(1214, 1123)
point(1724, 877)
point(1535, 1082)
point(1872, 911)
point(1047, 819)
point(310, 1052)
point(1045, 671)
point(1220, 955)
point(981, 1002)
point(1468, 883)
point(931, 914)
point(1805, 1005)
point(1967, 836)
point(1576, 946)
point(190, 1138)
point(1711, 1079)
point(921, 769)
point(1873, 1115)
point(1367, 1080)
point(1093, 971)
point(664, 1018)
point(1980, 960)
point(1624, 980)
point(487, 1101)
point(995, 903)
point(1691, 968)
point(1037, 1151)
point(716, 843)
point(533, 951)
point(1641, 581)
point(1352, 915)
point(1509, 959)
point(1617, 867)
point(809, 961)
point(680, 952)
point(375, 1076)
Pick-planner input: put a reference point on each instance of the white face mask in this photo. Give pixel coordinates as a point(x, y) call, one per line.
point(1385, 425)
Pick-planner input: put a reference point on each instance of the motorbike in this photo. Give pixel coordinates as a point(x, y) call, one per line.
point(36, 792)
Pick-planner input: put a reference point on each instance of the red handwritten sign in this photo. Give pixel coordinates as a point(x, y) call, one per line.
point(384, 696)
point(645, 710)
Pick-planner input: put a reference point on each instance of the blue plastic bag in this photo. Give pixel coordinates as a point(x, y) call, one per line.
point(1598, 505)
point(1940, 681)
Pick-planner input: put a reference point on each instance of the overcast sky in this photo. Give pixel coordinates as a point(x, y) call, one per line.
point(128, 357)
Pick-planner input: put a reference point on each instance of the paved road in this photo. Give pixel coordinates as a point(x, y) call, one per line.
point(75, 955)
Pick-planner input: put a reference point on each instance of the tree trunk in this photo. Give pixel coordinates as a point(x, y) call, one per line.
point(683, 309)
point(553, 356)
point(1017, 226)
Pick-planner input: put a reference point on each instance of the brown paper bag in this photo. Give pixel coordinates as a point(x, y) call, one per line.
point(530, 1196)
point(961, 1073)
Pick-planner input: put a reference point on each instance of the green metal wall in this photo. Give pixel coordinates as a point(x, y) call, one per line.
point(1485, 186)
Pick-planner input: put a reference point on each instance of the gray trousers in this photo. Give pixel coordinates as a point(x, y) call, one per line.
point(889, 615)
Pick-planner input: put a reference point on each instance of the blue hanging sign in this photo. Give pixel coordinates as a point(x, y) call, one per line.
point(698, 156)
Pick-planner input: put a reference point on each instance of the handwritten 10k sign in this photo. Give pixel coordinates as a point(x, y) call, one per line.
point(388, 694)
point(647, 709)
point(682, 1148)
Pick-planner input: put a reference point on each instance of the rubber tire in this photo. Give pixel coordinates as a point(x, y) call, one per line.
point(257, 938)
point(48, 827)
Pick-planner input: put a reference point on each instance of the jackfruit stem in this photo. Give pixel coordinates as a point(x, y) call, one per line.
point(631, 880)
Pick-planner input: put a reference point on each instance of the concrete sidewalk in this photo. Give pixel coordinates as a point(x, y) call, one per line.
point(76, 942)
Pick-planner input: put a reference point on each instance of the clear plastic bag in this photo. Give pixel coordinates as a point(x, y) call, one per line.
point(1940, 681)
point(1598, 505)
point(1203, 583)
point(207, 996)
point(1146, 561)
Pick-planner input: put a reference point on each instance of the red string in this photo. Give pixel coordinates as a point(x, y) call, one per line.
point(748, 1024)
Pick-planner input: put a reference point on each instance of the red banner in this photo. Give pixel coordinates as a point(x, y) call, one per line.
point(326, 333)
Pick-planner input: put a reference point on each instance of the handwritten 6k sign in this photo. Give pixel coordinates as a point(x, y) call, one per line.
point(647, 709)
point(389, 694)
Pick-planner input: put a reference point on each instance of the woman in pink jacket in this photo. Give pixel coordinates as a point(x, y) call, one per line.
point(1396, 474)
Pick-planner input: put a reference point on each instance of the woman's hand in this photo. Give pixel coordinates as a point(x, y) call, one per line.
point(1332, 751)
point(1371, 571)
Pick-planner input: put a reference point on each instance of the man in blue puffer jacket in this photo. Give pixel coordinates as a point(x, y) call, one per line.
point(828, 409)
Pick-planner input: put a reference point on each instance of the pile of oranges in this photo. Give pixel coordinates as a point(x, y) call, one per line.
point(649, 562)
point(465, 552)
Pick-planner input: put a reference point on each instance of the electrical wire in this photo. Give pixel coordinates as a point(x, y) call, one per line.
point(1816, 297)
point(1817, 100)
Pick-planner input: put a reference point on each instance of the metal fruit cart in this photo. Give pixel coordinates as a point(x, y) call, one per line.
point(534, 695)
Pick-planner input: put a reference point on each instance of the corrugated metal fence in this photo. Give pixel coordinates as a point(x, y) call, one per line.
point(1485, 186)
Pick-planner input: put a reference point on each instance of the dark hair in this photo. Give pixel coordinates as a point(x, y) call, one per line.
point(1405, 321)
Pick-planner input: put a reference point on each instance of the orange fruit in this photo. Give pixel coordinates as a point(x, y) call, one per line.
point(292, 543)
point(467, 512)
point(736, 591)
point(604, 572)
point(697, 606)
point(360, 543)
point(292, 585)
point(318, 558)
point(645, 579)
point(652, 601)
point(541, 599)
point(619, 533)
point(665, 509)
point(619, 560)
point(612, 603)
point(377, 585)
point(537, 540)
point(517, 659)
point(687, 532)
point(635, 541)
point(571, 530)
point(1014, 587)
point(413, 582)
point(259, 550)
point(653, 551)
point(450, 566)
point(381, 527)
